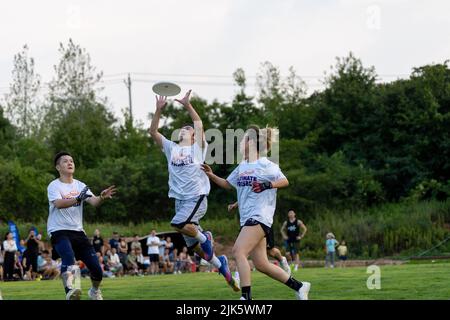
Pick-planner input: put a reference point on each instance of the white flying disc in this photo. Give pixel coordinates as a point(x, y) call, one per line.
point(166, 89)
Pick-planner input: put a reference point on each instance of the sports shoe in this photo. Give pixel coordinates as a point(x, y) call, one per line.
point(302, 293)
point(95, 294)
point(73, 294)
point(207, 246)
point(285, 266)
point(225, 271)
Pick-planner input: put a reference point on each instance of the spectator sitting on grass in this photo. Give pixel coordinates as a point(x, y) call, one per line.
point(114, 262)
point(106, 272)
point(186, 261)
point(48, 267)
point(132, 265)
point(140, 260)
point(18, 268)
point(168, 265)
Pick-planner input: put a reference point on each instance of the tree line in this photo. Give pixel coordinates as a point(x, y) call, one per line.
point(357, 143)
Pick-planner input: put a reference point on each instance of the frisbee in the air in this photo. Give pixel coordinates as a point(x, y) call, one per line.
point(166, 89)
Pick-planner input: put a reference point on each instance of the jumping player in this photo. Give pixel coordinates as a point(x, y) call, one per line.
point(66, 197)
point(189, 185)
point(272, 251)
point(291, 234)
point(256, 180)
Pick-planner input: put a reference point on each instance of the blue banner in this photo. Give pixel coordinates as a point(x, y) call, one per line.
point(15, 232)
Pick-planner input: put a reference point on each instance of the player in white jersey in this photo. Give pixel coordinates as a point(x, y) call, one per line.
point(189, 185)
point(256, 180)
point(66, 197)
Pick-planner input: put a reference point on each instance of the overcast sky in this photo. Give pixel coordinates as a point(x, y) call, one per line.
point(214, 37)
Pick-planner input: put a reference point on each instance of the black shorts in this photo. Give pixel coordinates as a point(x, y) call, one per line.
point(270, 238)
point(252, 222)
point(154, 257)
point(78, 240)
point(342, 258)
point(292, 246)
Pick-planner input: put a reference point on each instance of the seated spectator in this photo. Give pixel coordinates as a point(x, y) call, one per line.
point(18, 268)
point(114, 262)
point(141, 262)
point(168, 265)
point(105, 270)
point(184, 262)
point(136, 244)
point(132, 265)
point(48, 268)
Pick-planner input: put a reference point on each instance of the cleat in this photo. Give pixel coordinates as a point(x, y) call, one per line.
point(73, 294)
point(285, 266)
point(207, 246)
point(95, 294)
point(225, 271)
point(302, 293)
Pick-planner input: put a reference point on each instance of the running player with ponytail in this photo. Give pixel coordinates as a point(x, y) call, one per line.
point(256, 180)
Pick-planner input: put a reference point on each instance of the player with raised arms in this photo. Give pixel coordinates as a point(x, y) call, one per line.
point(66, 197)
point(256, 180)
point(189, 185)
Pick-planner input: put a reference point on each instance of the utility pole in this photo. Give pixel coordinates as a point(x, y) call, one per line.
point(128, 85)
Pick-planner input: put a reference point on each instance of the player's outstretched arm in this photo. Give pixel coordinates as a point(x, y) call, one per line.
point(105, 194)
point(221, 182)
point(160, 104)
point(198, 124)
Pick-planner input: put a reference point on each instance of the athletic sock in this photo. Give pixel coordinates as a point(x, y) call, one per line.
point(200, 237)
point(293, 284)
point(215, 262)
point(246, 293)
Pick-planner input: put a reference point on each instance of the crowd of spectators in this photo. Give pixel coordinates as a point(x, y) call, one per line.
point(118, 256)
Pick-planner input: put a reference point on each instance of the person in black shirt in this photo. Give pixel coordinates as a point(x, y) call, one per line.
point(291, 234)
point(114, 241)
point(31, 255)
point(97, 242)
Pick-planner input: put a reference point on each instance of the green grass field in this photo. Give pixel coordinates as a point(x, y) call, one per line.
point(409, 281)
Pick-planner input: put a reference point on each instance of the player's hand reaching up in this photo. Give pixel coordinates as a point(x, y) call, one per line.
point(108, 193)
point(161, 102)
point(185, 101)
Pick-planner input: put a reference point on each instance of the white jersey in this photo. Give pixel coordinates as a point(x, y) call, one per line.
point(186, 178)
point(258, 206)
point(66, 218)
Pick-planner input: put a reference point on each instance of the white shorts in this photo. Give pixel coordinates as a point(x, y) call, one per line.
point(190, 211)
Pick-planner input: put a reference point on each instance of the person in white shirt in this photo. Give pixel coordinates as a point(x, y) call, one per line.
point(189, 185)
point(256, 180)
point(66, 197)
point(153, 243)
point(10, 249)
